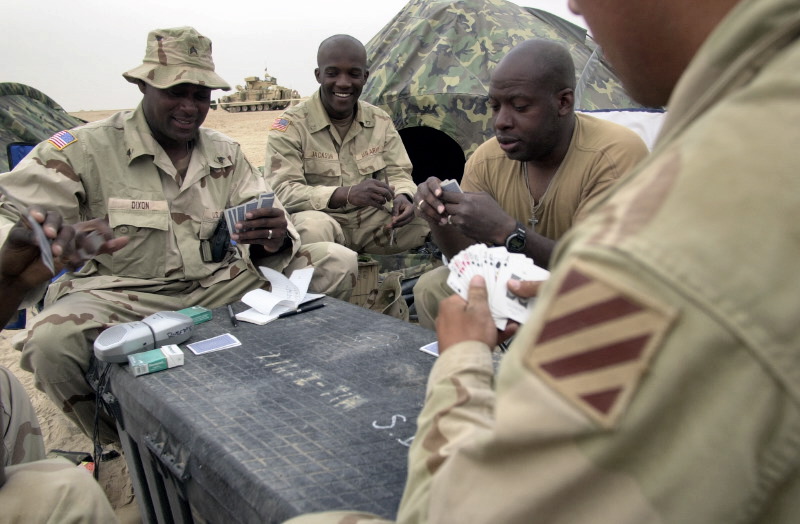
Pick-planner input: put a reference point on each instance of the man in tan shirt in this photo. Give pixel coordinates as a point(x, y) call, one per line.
point(539, 175)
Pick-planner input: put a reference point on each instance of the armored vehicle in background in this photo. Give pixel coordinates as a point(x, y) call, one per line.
point(258, 95)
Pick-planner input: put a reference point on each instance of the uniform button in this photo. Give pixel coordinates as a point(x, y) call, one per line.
point(123, 230)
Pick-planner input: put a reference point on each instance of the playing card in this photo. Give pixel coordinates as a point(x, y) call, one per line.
point(250, 206)
point(432, 348)
point(230, 220)
point(44, 244)
point(266, 200)
point(497, 266)
point(451, 185)
point(224, 341)
point(508, 304)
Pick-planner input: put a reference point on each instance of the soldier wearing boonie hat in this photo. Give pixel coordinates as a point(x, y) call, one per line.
point(162, 180)
point(174, 56)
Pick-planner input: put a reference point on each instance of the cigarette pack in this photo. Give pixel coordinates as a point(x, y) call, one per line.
point(198, 314)
point(165, 357)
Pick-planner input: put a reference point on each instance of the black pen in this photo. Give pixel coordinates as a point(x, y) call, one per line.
point(300, 310)
point(233, 316)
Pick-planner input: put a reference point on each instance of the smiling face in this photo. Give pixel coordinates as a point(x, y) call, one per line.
point(176, 113)
point(341, 72)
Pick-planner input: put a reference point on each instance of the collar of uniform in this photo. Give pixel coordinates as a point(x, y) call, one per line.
point(138, 140)
point(318, 118)
point(749, 35)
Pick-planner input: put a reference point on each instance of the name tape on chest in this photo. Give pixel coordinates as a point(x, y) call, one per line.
point(124, 204)
point(322, 155)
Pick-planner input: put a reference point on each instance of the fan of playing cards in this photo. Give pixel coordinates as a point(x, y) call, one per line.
point(497, 266)
point(237, 213)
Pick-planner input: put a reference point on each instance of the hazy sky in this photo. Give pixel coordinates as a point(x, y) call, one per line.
point(75, 52)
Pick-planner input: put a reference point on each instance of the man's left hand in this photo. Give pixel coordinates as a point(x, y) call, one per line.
point(459, 320)
point(71, 246)
point(477, 216)
point(402, 212)
point(266, 226)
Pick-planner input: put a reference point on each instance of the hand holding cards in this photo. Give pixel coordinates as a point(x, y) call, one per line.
point(497, 266)
point(238, 213)
point(38, 233)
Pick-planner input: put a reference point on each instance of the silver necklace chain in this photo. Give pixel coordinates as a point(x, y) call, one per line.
point(534, 206)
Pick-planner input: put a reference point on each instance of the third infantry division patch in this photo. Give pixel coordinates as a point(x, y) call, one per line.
point(596, 343)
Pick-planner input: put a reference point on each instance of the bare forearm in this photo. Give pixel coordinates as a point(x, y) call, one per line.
point(449, 240)
point(540, 249)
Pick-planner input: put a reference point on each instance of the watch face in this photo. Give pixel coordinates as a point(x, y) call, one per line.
point(516, 243)
point(516, 240)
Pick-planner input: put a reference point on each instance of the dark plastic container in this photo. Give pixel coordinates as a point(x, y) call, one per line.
point(313, 412)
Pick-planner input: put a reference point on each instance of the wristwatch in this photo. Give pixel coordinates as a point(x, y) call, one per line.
point(515, 242)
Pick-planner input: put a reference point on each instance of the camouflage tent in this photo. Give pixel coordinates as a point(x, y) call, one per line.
point(28, 115)
point(429, 69)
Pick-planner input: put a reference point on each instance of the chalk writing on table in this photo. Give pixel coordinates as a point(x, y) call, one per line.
point(394, 424)
point(338, 395)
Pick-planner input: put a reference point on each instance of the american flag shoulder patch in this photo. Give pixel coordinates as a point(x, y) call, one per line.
point(62, 139)
point(596, 343)
point(280, 124)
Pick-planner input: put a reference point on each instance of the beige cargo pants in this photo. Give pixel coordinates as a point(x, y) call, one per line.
point(363, 230)
point(60, 343)
point(430, 289)
point(37, 490)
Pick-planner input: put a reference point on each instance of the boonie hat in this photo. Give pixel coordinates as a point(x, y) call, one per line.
point(178, 55)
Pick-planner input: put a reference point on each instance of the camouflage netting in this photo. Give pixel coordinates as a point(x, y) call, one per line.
point(430, 65)
point(28, 115)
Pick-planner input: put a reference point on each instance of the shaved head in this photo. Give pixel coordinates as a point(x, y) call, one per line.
point(546, 63)
point(532, 97)
point(341, 44)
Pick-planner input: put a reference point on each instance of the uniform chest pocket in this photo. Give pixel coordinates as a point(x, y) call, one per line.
point(146, 252)
point(370, 164)
point(322, 171)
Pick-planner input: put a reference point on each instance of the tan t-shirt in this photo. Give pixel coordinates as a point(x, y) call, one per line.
point(599, 153)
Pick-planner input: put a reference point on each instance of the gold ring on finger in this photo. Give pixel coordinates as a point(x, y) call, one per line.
point(419, 205)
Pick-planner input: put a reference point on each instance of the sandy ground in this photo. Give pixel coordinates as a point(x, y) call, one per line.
point(250, 130)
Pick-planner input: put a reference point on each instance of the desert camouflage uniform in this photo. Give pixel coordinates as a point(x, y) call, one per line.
point(658, 378)
point(116, 169)
point(307, 161)
point(22, 436)
point(33, 489)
